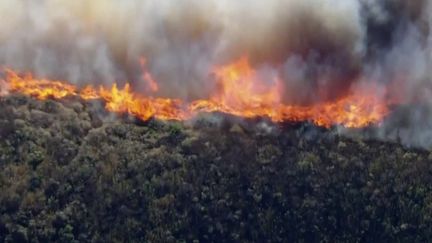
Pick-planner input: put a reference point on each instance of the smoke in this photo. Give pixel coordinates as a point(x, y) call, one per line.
point(102, 40)
point(399, 53)
point(319, 49)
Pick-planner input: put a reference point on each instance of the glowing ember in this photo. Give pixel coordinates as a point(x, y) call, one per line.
point(241, 93)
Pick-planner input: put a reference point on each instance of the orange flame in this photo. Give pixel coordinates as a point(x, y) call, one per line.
point(147, 77)
point(38, 88)
point(116, 100)
point(241, 93)
point(240, 96)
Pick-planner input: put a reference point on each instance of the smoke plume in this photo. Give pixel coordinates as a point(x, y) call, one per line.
point(319, 49)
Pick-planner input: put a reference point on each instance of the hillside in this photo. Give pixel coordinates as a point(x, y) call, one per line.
point(72, 173)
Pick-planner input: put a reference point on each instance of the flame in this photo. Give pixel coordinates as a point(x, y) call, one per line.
point(38, 88)
point(243, 94)
point(125, 101)
point(147, 77)
point(240, 92)
point(116, 100)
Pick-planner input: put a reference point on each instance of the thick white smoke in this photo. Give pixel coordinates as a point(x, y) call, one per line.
point(102, 40)
point(319, 48)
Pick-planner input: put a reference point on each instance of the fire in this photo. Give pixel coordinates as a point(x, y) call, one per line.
point(240, 92)
point(116, 100)
point(147, 77)
point(243, 94)
point(125, 101)
point(38, 88)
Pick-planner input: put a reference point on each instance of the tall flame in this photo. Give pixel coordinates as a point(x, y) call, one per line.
point(240, 92)
point(243, 94)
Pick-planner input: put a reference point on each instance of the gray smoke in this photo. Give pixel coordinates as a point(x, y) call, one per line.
point(320, 49)
point(102, 40)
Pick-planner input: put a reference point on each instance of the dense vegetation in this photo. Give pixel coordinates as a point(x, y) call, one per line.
point(69, 173)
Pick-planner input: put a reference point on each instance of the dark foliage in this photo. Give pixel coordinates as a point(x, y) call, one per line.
point(68, 175)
